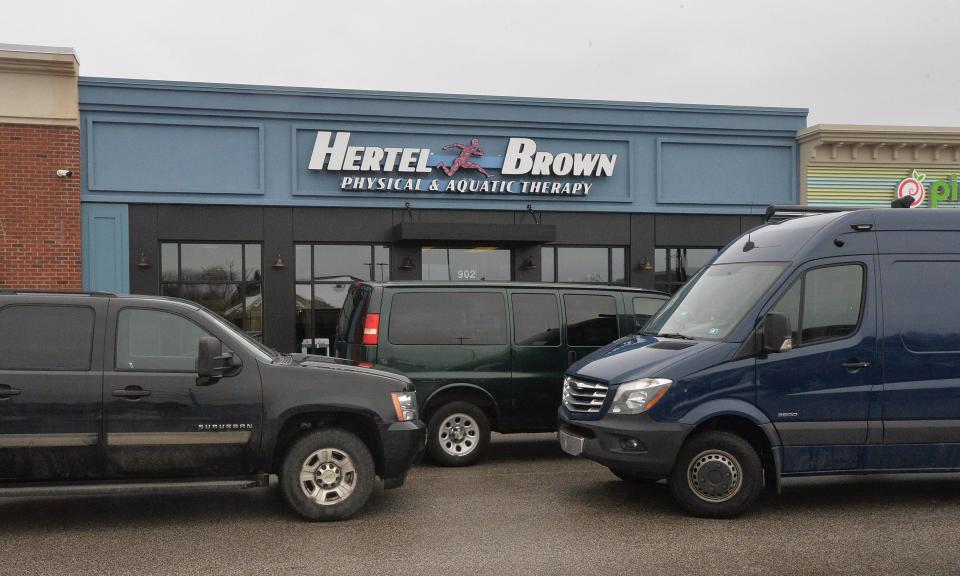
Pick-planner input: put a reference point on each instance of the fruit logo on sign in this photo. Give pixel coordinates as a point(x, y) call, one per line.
point(913, 187)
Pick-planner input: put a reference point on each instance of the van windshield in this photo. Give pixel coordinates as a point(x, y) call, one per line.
point(710, 305)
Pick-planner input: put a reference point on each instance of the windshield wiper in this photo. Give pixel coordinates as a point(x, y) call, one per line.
point(676, 335)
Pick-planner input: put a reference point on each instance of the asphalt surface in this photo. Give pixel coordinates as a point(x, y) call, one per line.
point(528, 509)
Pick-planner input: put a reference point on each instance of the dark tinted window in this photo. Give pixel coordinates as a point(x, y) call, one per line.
point(644, 309)
point(831, 303)
point(467, 318)
point(46, 337)
point(149, 340)
point(536, 320)
point(350, 325)
point(591, 319)
point(918, 309)
point(824, 304)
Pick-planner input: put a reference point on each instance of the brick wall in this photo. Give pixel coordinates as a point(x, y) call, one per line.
point(40, 246)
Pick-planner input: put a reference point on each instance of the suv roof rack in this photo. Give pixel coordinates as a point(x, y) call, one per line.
point(10, 291)
point(777, 214)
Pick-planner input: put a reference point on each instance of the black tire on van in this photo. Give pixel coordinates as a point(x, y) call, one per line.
point(458, 434)
point(327, 475)
point(717, 475)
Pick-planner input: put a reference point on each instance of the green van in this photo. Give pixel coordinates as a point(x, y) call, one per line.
point(485, 356)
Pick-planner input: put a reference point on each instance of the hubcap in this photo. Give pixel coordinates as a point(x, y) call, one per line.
point(328, 476)
point(458, 434)
point(714, 476)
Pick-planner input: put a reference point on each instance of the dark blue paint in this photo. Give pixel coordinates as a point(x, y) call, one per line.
point(902, 413)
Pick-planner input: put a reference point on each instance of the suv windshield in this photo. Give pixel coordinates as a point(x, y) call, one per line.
point(711, 304)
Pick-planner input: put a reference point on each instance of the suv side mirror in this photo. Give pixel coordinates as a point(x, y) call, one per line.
point(777, 335)
point(212, 359)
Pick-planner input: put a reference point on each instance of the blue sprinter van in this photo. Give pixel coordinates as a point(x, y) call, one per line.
point(818, 343)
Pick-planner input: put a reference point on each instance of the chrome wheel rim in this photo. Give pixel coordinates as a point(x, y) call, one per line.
point(328, 476)
point(714, 476)
point(458, 434)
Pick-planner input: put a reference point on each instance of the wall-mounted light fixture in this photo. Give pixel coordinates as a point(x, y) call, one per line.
point(645, 265)
point(408, 264)
point(279, 264)
point(142, 261)
point(528, 264)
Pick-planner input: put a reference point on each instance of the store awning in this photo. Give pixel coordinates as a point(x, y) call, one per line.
point(461, 232)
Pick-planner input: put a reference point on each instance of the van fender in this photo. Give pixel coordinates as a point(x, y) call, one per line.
point(472, 387)
point(742, 409)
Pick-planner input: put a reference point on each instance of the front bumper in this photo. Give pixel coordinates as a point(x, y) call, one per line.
point(403, 446)
point(606, 441)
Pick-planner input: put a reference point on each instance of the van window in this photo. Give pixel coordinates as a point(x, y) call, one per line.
point(536, 320)
point(448, 318)
point(154, 341)
point(644, 309)
point(830, 305)
point(46, 337)
point(591, 319)
point(915, 304)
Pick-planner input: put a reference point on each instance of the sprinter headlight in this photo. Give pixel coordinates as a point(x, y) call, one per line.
point(405, 403)
point(639, 396)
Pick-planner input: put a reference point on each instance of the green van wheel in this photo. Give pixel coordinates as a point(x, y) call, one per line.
point(458, 434)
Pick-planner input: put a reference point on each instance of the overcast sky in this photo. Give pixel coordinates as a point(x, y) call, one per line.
point(869, 62)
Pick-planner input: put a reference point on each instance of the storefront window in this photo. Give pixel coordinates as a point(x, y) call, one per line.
point(583, 265)
point(465, 264)
point(324, 273)
point(674, 266)
point(225, 278)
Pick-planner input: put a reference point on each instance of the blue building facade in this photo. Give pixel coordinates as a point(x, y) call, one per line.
point(263, 202)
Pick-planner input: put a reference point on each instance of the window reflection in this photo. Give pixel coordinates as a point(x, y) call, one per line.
point(226, 278)
point(675, 266)
point(481, 263)
point(584, 264)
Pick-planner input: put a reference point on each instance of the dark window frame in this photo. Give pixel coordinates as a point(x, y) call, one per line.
point(241, 284)
point(803, 297)
point(671, 286)
point(310, 329)
point(610, 248)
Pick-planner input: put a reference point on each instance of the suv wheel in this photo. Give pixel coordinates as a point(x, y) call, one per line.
point(458, 434)
point(327, 475)
point(717, 475)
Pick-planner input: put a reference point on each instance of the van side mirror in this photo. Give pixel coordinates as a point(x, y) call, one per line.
point(777, 334)
point(213, 360)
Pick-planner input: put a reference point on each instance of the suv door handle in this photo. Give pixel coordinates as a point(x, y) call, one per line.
point(6, 392)
point(131, 392)
point(854, 365)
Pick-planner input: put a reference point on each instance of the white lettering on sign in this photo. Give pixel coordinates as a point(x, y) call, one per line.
point(340, 156)
point(522, 158)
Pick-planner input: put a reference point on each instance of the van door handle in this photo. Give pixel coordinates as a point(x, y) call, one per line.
point(571, 357)
point(854, 365)
point(131, 393)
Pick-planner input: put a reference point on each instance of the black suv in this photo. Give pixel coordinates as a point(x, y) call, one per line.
point(99, 391)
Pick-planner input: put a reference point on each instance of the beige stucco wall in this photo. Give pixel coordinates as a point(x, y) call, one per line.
point(38, 85)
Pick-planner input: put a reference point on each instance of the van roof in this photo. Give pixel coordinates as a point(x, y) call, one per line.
point(525, 285)
point(815, 233)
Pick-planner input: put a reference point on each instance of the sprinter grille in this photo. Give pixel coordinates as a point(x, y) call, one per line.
point(583, 396)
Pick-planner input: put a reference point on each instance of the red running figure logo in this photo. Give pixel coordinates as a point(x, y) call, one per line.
point(463, 159)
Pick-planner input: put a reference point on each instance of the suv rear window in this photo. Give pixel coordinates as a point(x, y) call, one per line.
point(350, 324)
point(34, 337)
point(445, 318)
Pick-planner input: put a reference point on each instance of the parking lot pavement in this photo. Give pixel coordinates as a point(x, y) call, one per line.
point(528, 509)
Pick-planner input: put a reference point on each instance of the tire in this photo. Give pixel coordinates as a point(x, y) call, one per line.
point(633, 478)
point(458, 434)
point(343, 475)
point(717, 475)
